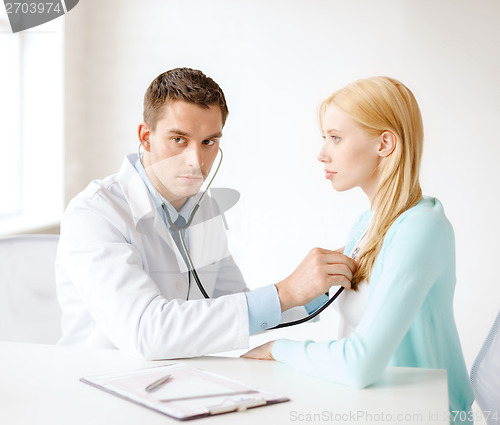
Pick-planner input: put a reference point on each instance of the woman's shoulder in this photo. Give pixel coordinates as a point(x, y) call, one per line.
point(426, 212)
point(424, 222)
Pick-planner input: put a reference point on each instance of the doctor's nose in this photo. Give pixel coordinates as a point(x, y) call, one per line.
point(194, 157)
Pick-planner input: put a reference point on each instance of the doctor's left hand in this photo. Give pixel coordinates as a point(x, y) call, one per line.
point(262, 352)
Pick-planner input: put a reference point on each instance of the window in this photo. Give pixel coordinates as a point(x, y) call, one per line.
point(31, 126)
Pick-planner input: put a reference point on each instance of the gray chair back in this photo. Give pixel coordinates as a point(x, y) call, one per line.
point(29, 311)
point(485, 375)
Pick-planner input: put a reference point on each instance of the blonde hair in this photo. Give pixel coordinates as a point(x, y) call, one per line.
point(381, 104)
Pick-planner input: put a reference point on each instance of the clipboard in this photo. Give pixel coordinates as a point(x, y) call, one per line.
point(190, 393)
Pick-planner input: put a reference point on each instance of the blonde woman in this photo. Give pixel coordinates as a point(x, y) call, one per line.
point(399, 310)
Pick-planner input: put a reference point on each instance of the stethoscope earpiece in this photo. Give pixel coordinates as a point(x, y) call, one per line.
point(139, 150)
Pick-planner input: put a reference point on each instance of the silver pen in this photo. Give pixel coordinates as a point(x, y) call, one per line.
point(158, 383)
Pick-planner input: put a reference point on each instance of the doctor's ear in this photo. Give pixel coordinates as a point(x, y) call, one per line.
point(144, 132)
point(387, 145)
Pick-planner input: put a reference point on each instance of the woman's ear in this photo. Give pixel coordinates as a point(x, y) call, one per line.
point(144, 132)
point(387, 145)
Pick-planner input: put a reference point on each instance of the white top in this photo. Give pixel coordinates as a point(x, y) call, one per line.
point(351, 305)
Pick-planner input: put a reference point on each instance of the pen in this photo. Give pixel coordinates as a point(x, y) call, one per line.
point(194, 397)
point(241, 406)
point(158, 383)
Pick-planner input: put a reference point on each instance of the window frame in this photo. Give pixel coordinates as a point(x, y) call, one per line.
point(38, 138)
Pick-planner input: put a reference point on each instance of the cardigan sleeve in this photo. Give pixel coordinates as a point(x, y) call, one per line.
point(409, 263)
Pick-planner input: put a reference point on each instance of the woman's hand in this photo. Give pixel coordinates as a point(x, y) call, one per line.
point(262, 352)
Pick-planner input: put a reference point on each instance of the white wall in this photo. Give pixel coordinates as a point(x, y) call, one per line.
point(276, 60)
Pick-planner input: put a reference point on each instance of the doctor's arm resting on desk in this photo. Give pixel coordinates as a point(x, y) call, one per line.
point(404, 244)
point(122, 277)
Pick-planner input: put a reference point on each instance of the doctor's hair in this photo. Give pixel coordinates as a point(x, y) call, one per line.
point(380, 104)
point(189, 85)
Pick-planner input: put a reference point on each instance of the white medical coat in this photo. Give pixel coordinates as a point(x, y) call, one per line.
point(121, 281)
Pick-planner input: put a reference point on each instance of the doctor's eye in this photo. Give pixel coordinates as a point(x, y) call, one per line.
point(210, 142)
point(178, 140)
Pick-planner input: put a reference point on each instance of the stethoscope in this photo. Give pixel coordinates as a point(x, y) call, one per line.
point(180, 229)
point(187, 257)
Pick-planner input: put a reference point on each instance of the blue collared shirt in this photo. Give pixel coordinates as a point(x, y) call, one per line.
point(264, 308)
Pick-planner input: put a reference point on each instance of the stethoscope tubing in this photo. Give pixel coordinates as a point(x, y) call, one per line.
point(191, 267)
point(312, 315)
point(187, 259)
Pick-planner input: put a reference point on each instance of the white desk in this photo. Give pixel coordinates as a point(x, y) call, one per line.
point(39, 384)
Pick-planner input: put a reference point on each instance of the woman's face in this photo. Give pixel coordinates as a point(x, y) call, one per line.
point(350, 156)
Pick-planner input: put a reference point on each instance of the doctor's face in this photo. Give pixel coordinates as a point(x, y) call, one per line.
point(350, 155)
point(180, 151)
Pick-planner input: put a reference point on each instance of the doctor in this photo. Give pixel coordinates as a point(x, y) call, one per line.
point(121, 278)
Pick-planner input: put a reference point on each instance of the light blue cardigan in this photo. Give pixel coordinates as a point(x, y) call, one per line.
point(409, 316)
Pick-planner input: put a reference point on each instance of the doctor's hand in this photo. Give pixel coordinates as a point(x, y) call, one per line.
point(262, 352)
point(318, 271)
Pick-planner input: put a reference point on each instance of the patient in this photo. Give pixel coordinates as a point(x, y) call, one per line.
point(399, 311)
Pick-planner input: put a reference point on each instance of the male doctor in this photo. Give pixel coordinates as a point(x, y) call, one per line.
point(121, 277)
